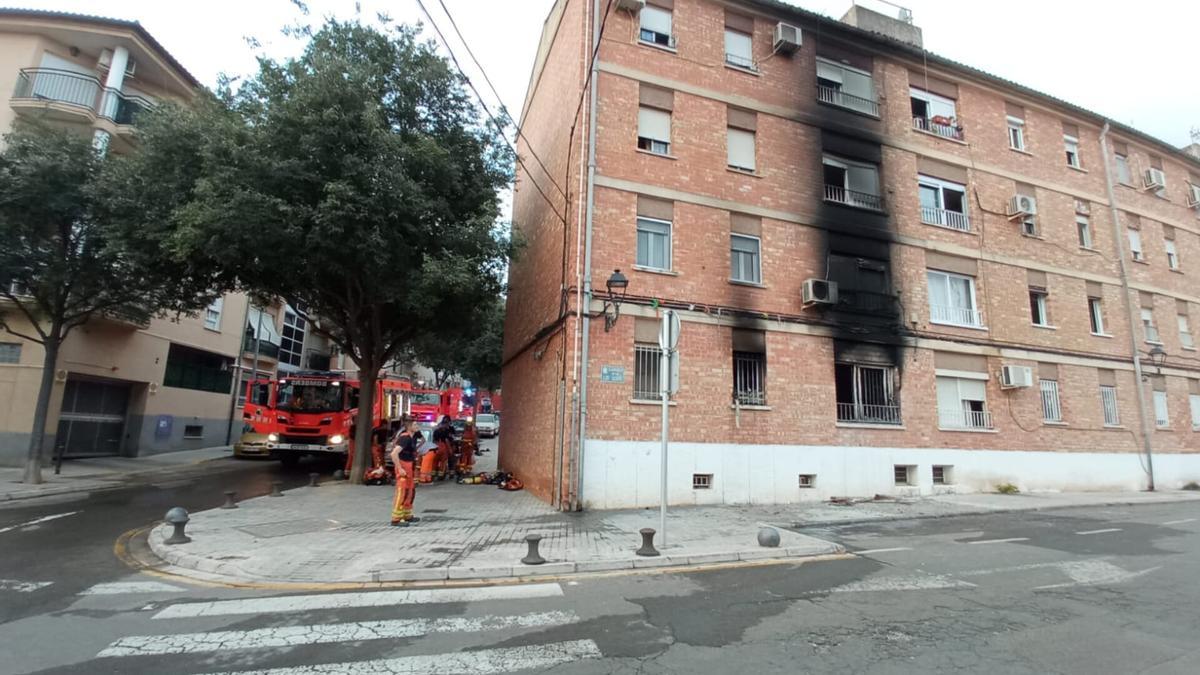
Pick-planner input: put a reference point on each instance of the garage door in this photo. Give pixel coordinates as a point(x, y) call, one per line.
point(92, 423)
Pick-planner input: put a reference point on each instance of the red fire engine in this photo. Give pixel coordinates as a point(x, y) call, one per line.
point(314, 412)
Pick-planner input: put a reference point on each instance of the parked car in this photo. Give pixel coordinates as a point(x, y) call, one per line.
point(488, 425)
point(251, 444)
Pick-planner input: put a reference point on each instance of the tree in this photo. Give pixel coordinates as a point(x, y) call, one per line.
point(66, 259)
point(356, 181)
point(474, 352)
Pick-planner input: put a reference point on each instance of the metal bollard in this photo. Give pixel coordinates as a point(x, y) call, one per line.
point(768, 537)
point(647, 548)
point(533, 557)
point(339, 475)
point(312, 479)
point(230, 502)
point(276, 488)
point(178, 517)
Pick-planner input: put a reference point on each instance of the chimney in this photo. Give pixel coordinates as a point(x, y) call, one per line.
point(1193, 150)
point(891, 20)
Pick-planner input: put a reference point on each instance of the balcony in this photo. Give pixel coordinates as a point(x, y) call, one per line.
point(265, 349)
point(881, 305)
point(741, 62)
point(76, 95)
point(949, 418)
point(862, 200)
point(939, 126)
point(863, 413)
point(956, 316)
point(841, 99)
point(946, 218)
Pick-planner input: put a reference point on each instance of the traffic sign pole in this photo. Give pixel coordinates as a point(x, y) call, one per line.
point(668, 339)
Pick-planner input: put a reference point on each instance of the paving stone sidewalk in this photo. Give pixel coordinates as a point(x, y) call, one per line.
point(101, 473)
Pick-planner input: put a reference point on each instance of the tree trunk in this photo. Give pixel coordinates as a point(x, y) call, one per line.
point(368, 374)
point(37, 439)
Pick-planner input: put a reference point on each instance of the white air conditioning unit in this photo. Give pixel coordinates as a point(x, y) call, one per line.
point(820, 292)
point(105, 61)
point(787, 38)
point(1016, 377)
point(631, 5)
point(1022, 205)
point(1154, 179)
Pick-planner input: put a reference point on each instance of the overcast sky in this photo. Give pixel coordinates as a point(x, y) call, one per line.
point(1133, 61)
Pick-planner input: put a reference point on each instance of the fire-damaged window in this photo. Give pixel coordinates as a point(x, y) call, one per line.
point(865, 380)
point(749, 367)
point(862, 273)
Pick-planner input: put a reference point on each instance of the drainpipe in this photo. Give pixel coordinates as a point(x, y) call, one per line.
point(587, 261)
point(110, 95)
point(237, 370)
point(1147, 430)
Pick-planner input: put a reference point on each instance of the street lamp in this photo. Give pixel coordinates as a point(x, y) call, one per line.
point(617, 285)
point(1158, 359)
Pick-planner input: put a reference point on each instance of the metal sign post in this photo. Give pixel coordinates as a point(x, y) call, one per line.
point(668, 376)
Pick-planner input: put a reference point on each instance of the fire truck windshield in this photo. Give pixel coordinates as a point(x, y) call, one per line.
point(311, 398)
point(426, 399)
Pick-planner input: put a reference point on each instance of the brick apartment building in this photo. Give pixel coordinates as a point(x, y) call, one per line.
point(1002, 260)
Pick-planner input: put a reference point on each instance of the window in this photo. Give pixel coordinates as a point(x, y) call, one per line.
point(1072, 146)
point(943, 203)
point(1108, 401)
point(1096, 314)
point(1185, 332)
point(1029, 226)
point(291, 346)
point(1162, 415)
point(212, 315)
point(749, 367)
point(654, 243)
point(189, 368)
point(1083, 226)
point(943, 475)
point(865, 393)
point(740, 149)
point(1172, 254)
point(193, 431)
point(259, 395)
point(1123, 174)
point(654, 130)
point(903, 474)
point(1135, 245)
point(807, 480)
point(1016, 133)
point(647, 365)
point(702, 481)
point(10, 352)
point(863, 285)
point(1148, 325)
point(852, 183)
point(739, 49)
point(656, 26)
point(962, 403)
point(952, 299)
point(1193, 194)
point(745, 259)
point(934, 114)
point(1037, 307)
point(1194, 402)
point(1051, 404)
point(846, 87)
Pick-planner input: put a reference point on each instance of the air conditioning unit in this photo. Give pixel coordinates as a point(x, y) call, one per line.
point(1022, 205)
point(1016, 377)
point(1154, 179)
point(1082, 207)
point(787, 38)
point(820, 292)
point(631, 5)
point(105, 61)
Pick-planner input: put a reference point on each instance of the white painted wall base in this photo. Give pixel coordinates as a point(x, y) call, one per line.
point(625, 474)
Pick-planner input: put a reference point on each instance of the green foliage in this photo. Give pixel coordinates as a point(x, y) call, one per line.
point(1193, 485)
point(474, 352)
point(1007, 489)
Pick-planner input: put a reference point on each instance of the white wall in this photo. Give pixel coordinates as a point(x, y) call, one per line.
point(625, 474)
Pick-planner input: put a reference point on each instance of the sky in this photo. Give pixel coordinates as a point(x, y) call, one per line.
point(1132, 61)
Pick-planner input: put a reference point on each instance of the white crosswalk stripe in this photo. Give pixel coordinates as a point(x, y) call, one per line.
point(301, 603)
point(37, 521)
point(479, 662)
point(290, 636)
point(128, 587)
point(22, 586)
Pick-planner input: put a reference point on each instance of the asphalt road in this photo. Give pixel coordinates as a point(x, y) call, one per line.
point(1107, 590)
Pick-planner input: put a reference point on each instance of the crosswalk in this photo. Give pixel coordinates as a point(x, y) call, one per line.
point(283, 632)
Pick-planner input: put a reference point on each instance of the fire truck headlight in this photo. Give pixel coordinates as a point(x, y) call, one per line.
point(274, 438)
point(336, 439)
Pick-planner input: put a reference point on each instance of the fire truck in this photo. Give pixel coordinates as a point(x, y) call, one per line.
point(314, 413)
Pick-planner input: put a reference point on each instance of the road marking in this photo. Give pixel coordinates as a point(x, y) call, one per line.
point(480, 662)
point(911, 583)
point(1179, 522)
point(881, 550)
point(1093, 572)
point(22, 586)
point(123, 587)
point(999, 541)
point(291, 636)
point(1107, 529)
point(301, 603)
point(36, 521)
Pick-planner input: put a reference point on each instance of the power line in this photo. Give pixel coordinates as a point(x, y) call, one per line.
point(492, 117)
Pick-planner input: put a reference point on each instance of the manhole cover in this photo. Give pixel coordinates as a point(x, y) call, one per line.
point(284, 528)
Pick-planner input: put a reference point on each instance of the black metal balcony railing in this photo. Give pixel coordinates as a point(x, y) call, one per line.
point(841, 99)
point(82, 91)
point(267, 349)
point(867, 302)
point(865, 413)
point(841, 195)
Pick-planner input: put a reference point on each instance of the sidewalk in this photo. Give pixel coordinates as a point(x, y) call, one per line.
point(100, 473)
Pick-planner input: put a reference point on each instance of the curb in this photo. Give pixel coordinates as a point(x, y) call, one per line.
point(178, 557)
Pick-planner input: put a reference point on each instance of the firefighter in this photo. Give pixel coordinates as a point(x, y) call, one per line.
point(442, 436)
point(470, 442)
point(404, 462)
